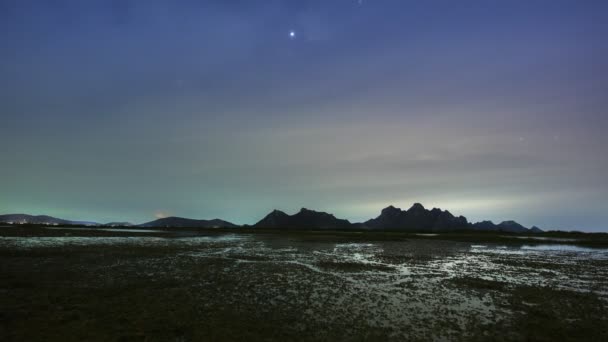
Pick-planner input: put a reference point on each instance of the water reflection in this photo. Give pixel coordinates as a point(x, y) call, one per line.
point(564, 248)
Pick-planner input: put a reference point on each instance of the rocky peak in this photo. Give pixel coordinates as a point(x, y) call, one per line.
point(390, 211)
point(417, 207)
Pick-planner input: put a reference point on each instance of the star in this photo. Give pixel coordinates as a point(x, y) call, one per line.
point(292, 34)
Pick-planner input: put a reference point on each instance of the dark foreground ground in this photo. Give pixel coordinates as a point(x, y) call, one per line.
point(74, 285)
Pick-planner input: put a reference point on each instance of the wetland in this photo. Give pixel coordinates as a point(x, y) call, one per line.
point(144, 285)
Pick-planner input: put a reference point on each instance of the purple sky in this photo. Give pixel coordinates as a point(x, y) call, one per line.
point(123, 110)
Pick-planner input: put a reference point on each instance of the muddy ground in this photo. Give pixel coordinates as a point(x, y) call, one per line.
point(74, 285)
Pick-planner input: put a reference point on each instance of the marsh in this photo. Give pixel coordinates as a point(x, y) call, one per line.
point(112, 285)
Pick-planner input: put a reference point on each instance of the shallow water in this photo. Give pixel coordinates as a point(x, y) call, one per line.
point(567, 248)
point(542, 238)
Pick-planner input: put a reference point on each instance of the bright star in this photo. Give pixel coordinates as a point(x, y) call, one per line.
point(292, 34)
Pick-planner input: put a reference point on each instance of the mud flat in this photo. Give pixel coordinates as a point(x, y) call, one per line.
point(79, 285)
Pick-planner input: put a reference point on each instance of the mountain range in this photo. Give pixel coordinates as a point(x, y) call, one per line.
point(416, 218)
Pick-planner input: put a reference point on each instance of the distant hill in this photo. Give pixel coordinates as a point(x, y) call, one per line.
point(32, 219)
point(302, 220)
point(417, 218)
point(180, 222)
point(535, 229)
point(505, 226)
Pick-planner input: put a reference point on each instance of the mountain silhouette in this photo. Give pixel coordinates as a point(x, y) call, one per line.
point(535, 229)
point(302, 220)
point(417, 218)
point(505, 226)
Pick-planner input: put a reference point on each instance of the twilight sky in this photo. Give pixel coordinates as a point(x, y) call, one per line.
point(131, 109)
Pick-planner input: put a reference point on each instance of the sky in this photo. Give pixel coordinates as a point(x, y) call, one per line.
point(128, 110)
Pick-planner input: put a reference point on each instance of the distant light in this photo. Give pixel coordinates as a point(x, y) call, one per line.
point(292, 34)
